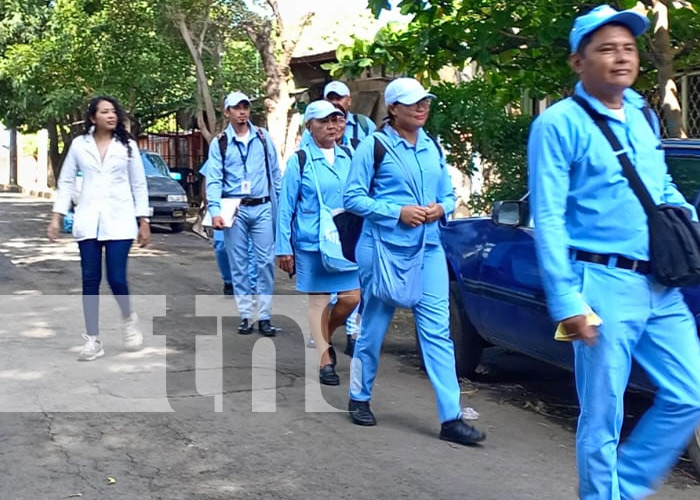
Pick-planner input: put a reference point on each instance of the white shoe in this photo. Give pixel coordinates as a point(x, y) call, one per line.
point(133, 338)
point(92, 349)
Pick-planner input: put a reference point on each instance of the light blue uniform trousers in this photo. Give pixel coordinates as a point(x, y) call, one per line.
point(222, 259)
point(432, 319)
point(650, 323)
point(252, 224)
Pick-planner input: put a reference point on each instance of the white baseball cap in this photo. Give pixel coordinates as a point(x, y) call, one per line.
point(234, 98)
point(319, 110)
point(336, 87)
point(405, 91)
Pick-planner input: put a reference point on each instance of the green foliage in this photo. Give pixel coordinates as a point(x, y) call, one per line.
point(474, 124)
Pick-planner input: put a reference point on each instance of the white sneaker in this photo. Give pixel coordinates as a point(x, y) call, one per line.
point(92, 349)
point(133, 338)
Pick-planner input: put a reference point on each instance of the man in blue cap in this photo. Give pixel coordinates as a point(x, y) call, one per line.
point(249, 170)
point(592, 240)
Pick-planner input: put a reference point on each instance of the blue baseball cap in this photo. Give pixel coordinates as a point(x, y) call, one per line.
point(319, 110)
point(602, 15)
point(405, 91)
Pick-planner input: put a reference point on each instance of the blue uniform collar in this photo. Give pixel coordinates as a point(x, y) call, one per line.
point(315, 152)
point(395, 139)
point(629, 98)
point(231, 134)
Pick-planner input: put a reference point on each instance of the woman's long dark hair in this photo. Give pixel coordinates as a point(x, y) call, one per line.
point(120, 132)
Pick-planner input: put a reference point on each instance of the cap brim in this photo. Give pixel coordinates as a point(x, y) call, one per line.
point(427, 95)
point(232, 105)
point(335, 112)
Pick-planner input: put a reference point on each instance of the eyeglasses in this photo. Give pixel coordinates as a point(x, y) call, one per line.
point(420, 105)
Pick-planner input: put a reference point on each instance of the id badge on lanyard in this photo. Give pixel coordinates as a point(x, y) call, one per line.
point(245, 183)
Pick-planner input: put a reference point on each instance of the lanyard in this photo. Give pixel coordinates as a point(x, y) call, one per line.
point(244, 157)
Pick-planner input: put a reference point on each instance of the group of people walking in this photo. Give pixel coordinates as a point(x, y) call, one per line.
point(591, 234)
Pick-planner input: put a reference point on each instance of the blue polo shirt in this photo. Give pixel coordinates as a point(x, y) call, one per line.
point(331, 180)
point(244, 160)
point(579, 197)
point(378, 196)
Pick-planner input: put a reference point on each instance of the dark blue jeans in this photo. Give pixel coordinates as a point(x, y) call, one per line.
point(116, 254)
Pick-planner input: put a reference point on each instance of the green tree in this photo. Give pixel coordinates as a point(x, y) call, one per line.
point(55, 55)
point(523, 44)
point(207, 24)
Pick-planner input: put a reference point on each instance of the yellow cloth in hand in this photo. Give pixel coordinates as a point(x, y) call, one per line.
point(592, 319)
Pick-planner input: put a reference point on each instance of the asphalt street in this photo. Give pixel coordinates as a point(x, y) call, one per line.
point(202, 413)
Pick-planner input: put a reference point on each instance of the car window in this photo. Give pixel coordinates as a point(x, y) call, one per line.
point(685, 171)
point(154, 165)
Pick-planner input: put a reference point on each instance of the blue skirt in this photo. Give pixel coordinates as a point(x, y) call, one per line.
point(312, 277)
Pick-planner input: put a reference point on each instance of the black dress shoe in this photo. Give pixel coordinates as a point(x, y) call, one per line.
point(266, 328)
point(327, 375)
point(459, 432)
point(228, 288)
point(245, 328)
point(350, 346)
point(360, 413)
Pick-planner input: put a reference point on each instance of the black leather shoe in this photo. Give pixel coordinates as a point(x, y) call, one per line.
point(228, 288)
point(266, 328)
point(334, 357)
point(360, 413)
point(350, 346)
point(327, 375)
point(245, 328)
point(459, 432)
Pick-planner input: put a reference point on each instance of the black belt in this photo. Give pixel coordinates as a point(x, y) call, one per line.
point(251, 202)
point(639, 266)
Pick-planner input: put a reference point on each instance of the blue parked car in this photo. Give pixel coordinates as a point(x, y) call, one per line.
point(496, 293)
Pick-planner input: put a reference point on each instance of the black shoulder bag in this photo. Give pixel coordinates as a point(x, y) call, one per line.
point(674, 239)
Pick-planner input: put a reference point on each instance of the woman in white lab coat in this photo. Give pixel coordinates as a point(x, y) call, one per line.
point(112, 211)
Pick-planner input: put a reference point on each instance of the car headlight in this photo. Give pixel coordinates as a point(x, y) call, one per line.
point(177, 197)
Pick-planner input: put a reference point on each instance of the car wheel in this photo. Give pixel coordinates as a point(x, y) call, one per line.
point(177, 228)
point(468, 342)
point(694, 450)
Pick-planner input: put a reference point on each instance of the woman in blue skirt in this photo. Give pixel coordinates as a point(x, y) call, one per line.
point(320, 168)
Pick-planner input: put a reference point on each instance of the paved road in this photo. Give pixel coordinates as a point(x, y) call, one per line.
point(203, 413)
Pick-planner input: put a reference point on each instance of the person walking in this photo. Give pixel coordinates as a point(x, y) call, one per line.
point(315, 178)
point(112, 211)
point(248, 170)
point(358, 126)
point(220, 253)
point(402, 198)
point(592, 240)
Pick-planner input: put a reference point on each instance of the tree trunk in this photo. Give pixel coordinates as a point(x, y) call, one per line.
point(54, 154)
point(663, 57)
point(206, 121)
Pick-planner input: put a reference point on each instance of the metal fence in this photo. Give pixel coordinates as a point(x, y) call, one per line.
point(689, 96)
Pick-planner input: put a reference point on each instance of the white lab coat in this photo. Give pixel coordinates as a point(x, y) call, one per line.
point(113, 193)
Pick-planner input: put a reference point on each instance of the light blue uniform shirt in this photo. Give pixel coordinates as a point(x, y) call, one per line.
point(331, 180)
point(579, 196)
point(244, 161)
point(378, 196)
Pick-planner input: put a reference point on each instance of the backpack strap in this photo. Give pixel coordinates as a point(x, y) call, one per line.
point(347, 150)
point(360, 120)
point(223, 143)
point(263, 140)
point(649, 115)
point(301, 156)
